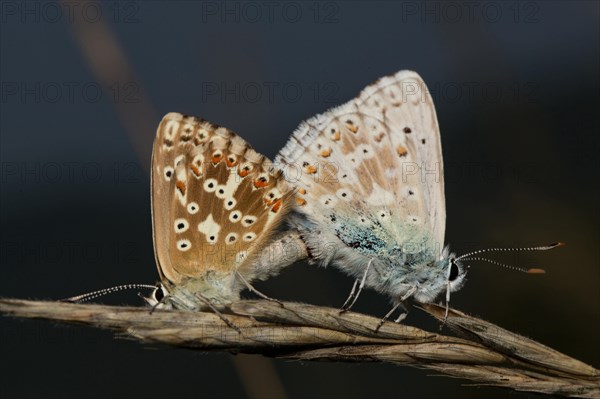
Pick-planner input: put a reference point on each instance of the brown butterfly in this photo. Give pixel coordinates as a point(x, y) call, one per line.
point(215, 204)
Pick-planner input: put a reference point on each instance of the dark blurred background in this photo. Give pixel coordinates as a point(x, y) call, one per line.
point(84, 84)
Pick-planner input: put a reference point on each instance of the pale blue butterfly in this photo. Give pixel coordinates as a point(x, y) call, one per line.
point(371, 199)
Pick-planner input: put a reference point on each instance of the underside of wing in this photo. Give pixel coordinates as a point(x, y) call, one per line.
point(214, 199)
point(407, 108)
point(376, 159)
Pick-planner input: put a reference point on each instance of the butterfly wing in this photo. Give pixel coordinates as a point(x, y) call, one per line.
point(370, 171)
point(215, 200)
point(404, 102)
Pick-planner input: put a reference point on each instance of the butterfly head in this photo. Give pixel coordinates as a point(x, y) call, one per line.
point(158, 296)
point(167, 296)
point(448, 275)
point(455, 273)
point(192, 294)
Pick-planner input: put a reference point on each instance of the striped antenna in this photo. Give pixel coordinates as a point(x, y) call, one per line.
point(518, 269)
point(96, 294)
point(540, 248)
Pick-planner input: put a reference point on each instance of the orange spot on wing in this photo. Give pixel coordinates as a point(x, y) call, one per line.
point(180, 186)
point(231, 163)
point(336, 136)
point(300, 201)
point(402, 151)
point(311, 169)
point(216, 158)
point(302, 191)
point(352, 128)
point(379, 137)
point(326, 152)
point(243, 172)
point(261, 182)
point(276, 206)
point(196, 170)
point(270, 201)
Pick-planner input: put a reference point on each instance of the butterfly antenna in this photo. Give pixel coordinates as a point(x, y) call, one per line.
point(540, 248)
point(96, 294)
point(518, 269)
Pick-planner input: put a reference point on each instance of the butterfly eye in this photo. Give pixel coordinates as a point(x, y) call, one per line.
point(453, 271)
point(158, 294)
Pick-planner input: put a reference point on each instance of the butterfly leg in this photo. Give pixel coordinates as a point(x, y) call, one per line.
point(447, 307)
point(350, 297)
point(402, 315)
point(400, 303)
point(257, 292)
point(360, 287)
point(154, 307)
point(387, 316)
point(212, 307)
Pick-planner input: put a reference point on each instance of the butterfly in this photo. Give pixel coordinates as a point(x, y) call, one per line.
point(216, 203)
point(216, 208)
point(370, 200)
point(371, 191)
